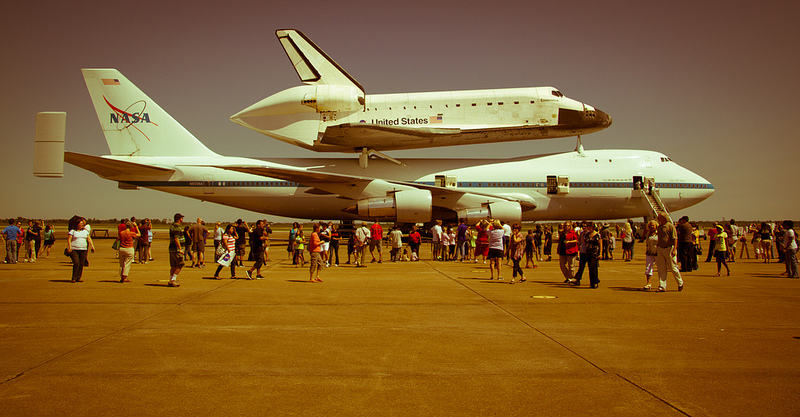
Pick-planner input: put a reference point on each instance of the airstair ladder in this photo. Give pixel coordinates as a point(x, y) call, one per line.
point(654, 204)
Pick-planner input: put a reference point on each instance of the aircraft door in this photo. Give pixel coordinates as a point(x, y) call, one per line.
point(208, 184)
point(557, 184)
point(637, 182)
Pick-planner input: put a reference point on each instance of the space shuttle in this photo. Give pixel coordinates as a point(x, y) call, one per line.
point(333, 113)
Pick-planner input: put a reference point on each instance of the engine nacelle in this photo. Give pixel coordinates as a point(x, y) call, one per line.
point(508, 211)
point(343, 98)
point(406, 206)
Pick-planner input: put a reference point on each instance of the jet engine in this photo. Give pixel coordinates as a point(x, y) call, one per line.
point(405, 206)
point(508, 211)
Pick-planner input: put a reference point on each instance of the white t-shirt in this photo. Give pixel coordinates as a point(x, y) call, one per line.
point(78, 239)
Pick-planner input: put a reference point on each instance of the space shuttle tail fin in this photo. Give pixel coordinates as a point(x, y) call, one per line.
point(312, 64)
point(133, 124)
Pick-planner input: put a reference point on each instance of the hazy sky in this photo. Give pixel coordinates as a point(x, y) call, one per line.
point(712, 84)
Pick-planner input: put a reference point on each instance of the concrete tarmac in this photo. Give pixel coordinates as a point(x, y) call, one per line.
point(422, 338)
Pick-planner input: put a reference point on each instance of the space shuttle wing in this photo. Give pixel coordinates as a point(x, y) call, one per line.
point(374, 136)
point(312, 64)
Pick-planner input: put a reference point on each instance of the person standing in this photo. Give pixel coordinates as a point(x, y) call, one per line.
point(376, 240)
point(126, 250)
point(790, 245)
point(517, 245)
point(198, 232)
point(315, 248)
point(414, 240)
point(685, 244)
point(721, 249)
point(218, 231)
point(461, 237)
point(482, 240)
point(79, 242)
point(49, 236)
point(333, 250)
point(10, 235)
point(667, 251)
point(496, 250)
point(361, 243)
point(583, 258)
point(144, 241)
point(594, 247)
point(651, 251)
point(258, 236)
point(396, 240)
point(176, 251)
point(31, 235)
point(436, 240)
point(567, 250)
point(241, 241)
point(766, 241)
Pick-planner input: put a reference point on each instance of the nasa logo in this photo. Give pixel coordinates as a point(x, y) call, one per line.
point(128, 116)
point(134, 114)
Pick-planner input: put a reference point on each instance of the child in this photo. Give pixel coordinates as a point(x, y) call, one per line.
point(405, 257)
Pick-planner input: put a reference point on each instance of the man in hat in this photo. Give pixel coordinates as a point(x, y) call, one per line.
point(667, 251)
point(175, 250)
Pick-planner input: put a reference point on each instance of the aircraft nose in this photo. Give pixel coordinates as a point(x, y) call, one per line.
point(603, 118)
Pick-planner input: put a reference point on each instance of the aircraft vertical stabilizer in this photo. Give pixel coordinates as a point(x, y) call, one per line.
point(134, 125)
point(312, 64)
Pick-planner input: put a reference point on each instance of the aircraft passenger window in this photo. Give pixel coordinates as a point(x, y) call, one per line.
point(499, 103)
point(488, 104)
point(516, 102)
point(474, 104)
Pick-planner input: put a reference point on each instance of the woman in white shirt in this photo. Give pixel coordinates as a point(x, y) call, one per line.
point(79, 242)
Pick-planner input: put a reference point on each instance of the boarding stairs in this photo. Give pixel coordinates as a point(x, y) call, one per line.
point(654, 204)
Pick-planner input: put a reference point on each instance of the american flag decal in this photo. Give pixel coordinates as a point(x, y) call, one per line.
point(437, 118)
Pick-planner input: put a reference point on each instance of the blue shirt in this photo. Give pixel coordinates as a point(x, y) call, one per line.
point(11, 232)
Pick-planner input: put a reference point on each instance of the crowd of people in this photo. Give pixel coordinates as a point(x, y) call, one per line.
point(669, 248)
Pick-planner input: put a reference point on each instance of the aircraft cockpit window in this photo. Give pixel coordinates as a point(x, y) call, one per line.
point(556, 93)
point(665, 159)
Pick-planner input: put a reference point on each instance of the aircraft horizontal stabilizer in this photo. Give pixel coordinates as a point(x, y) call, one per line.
point(117, 170)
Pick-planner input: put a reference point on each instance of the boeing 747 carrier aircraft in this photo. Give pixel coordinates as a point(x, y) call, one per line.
point(150, 149)
point(332, 113)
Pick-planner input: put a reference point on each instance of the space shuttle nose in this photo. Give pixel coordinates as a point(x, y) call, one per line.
point(603, 118)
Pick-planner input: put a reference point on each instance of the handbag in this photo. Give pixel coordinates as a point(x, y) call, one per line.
point(115, 245)
point(221, 249)
point(226, 259)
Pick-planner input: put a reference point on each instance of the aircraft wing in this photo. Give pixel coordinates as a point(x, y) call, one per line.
point(357, 187)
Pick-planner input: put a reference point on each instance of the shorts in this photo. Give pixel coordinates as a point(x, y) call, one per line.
point(720, 255)
point(199, 246)
point(176, 260)
point(240, 249)
point(316, 262)
point(375, 244)
point(495, 253)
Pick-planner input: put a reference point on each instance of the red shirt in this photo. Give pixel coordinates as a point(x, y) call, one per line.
point(376, 232)
point(315, 244)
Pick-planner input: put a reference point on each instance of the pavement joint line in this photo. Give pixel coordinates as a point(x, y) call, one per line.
point(519, 319)
point(653, 395)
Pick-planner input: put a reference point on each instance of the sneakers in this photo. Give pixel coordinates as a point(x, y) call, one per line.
point(661, 289)
point(247, 273)
point(173, 284)
point(646, 287)
point(680, 287)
